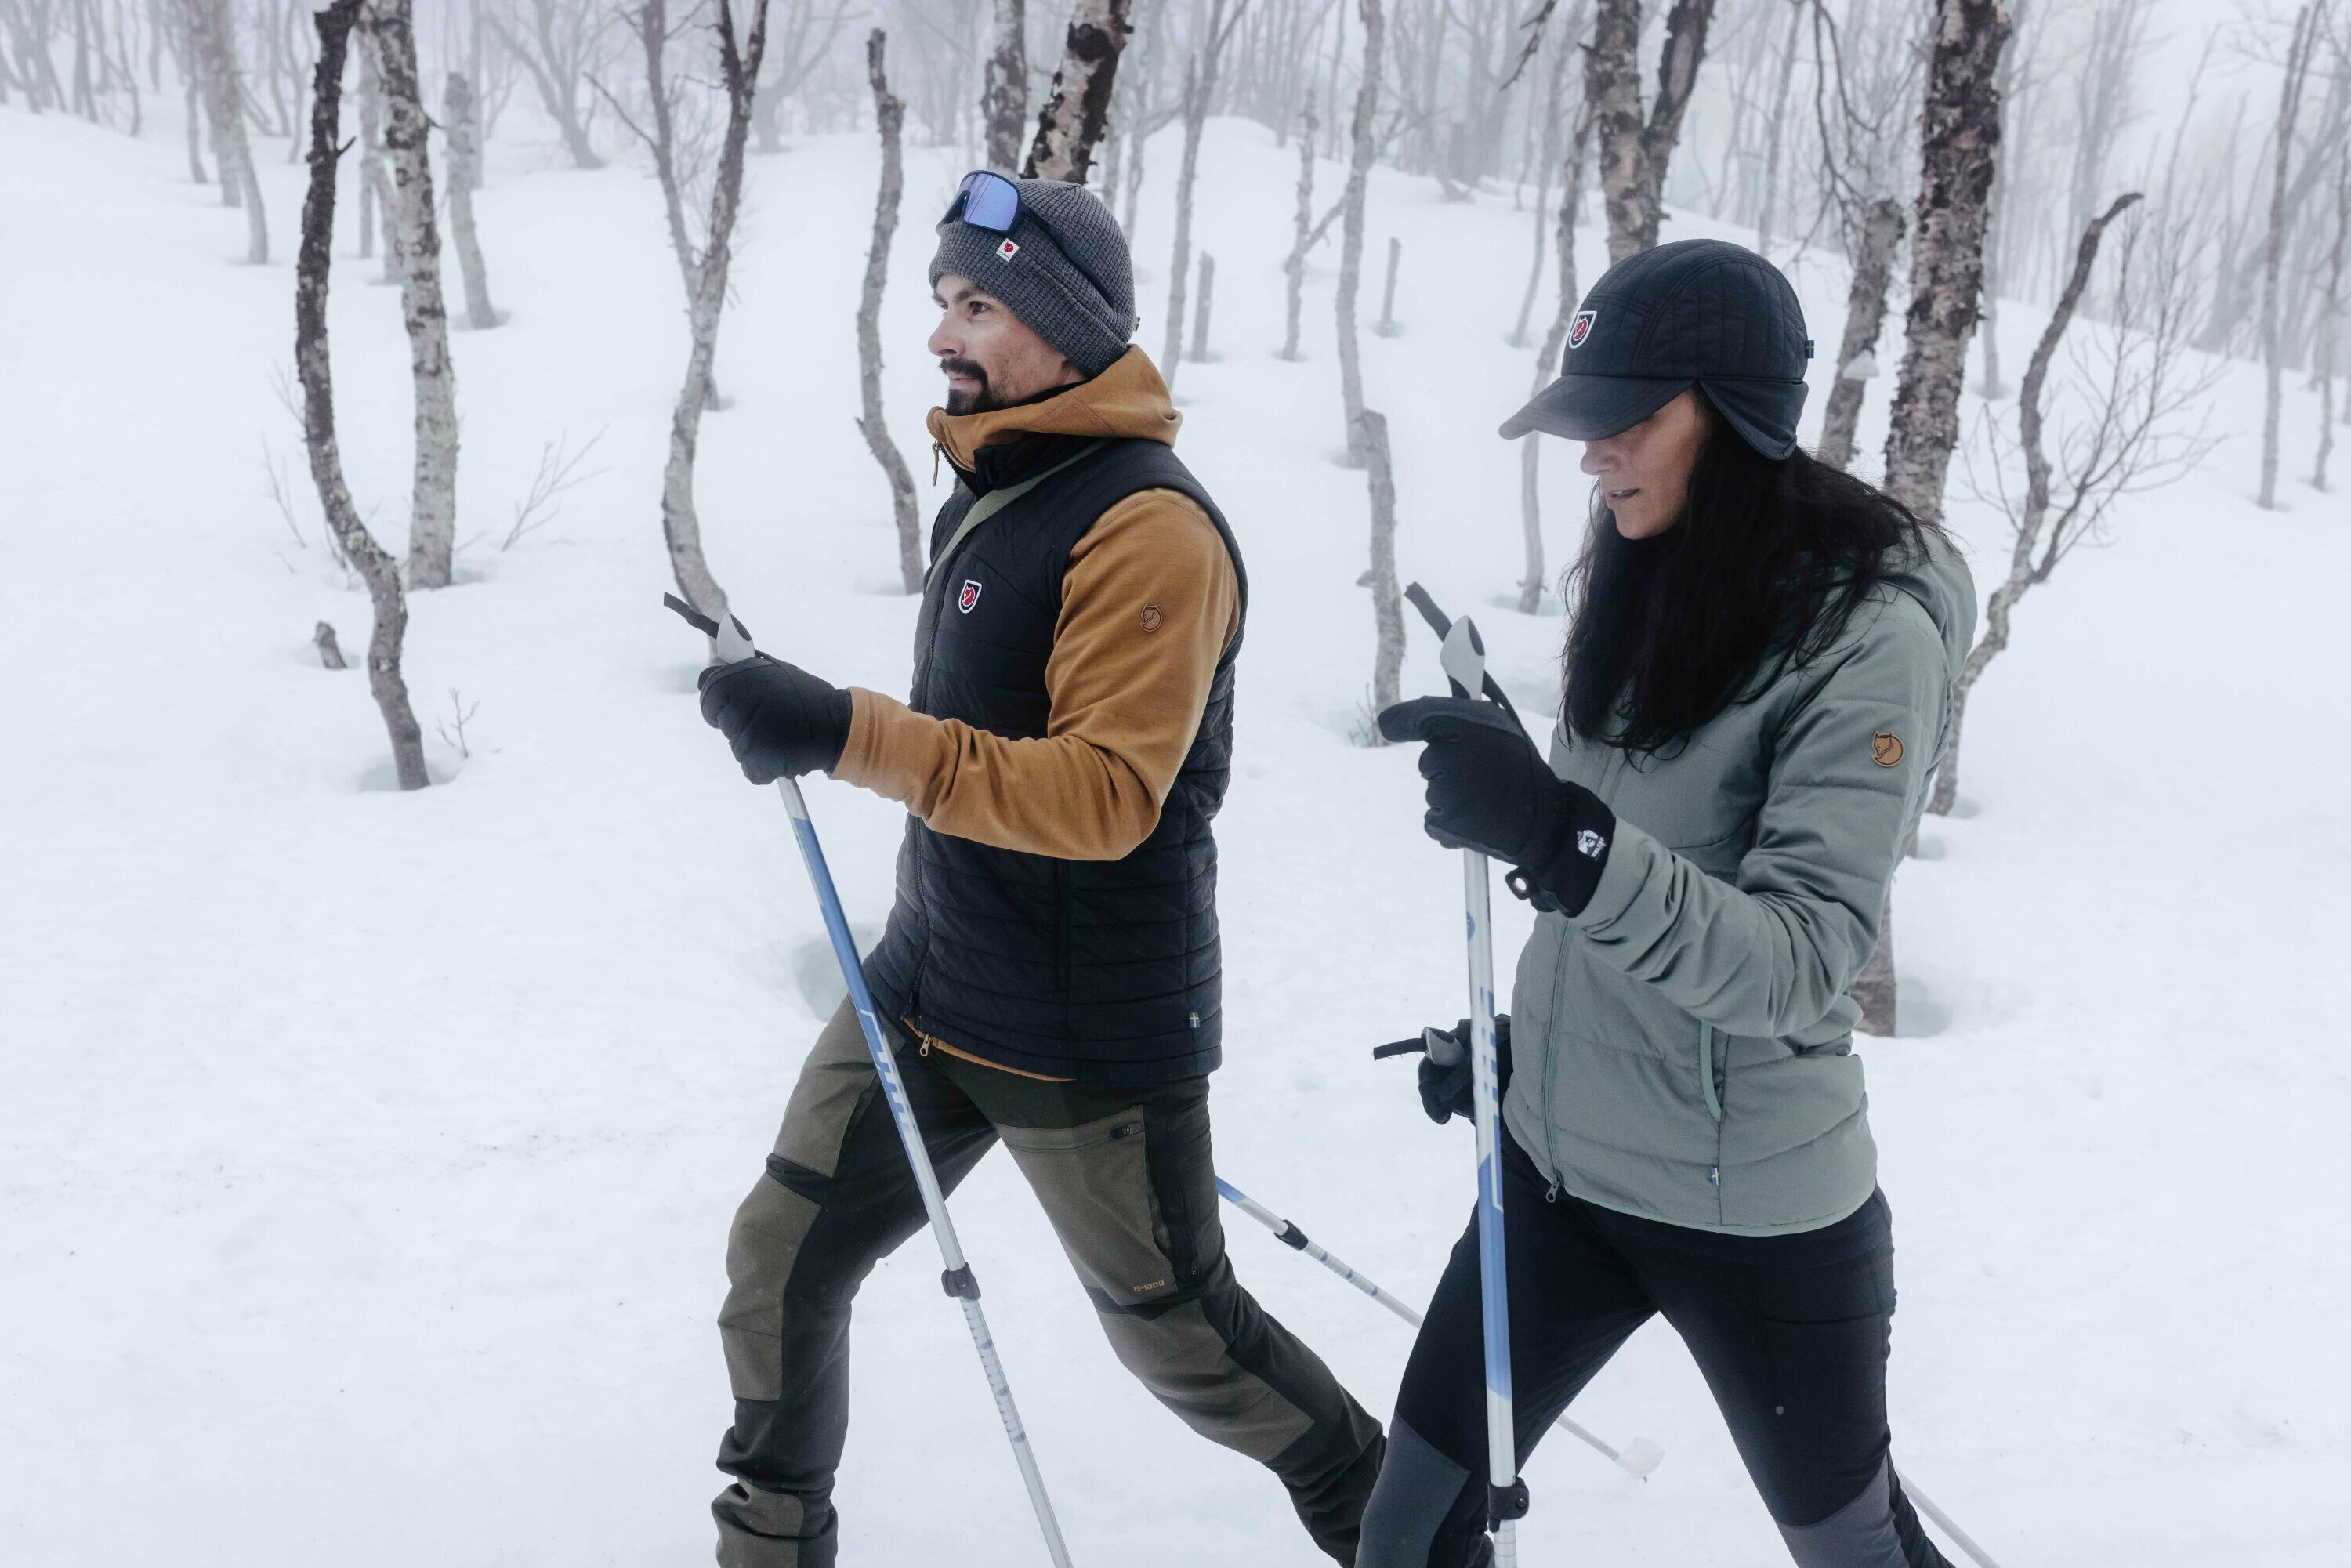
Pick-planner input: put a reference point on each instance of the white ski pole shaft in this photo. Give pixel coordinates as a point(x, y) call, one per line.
point(958, 1280)
point(1506, 1494)
point(1637, 1458)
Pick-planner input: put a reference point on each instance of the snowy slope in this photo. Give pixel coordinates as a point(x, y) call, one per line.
point(366, 1160)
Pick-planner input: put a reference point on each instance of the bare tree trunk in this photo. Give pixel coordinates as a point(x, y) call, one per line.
point(1294, 268)
point(1077, 109)
point(1387, 327)
point(1864, 317)
point(1548, 157)
point(371, 180)
point(1387, 603)
point(368, 557)
point(2331, 353)
point(1180, 262)
point(1995, 230)
point(433, 516)
point(2025, 566)
point(740, 68)
point(212, 33)
point(1958, 141)
point(1351, 229)
point(458, 107)
point(1200, 317)
point(1774, 136)
point(1555, 345)
point(2297, 72)
point(890, 117)
point(1635, 153)
point(1004, 95)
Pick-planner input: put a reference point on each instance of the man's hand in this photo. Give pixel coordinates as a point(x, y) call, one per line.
point(778, 718)
point(1489, 791)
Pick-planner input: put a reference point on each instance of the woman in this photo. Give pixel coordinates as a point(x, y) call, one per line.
point(1756, 686)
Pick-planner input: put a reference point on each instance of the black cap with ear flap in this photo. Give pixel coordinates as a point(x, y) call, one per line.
point(1700, 312)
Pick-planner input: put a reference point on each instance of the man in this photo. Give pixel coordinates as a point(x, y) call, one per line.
point(1051, 968)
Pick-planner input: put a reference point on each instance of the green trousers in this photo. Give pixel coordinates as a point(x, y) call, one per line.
point(1126, 1177)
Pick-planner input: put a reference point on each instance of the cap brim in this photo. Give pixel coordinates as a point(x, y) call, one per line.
point(1593, 408)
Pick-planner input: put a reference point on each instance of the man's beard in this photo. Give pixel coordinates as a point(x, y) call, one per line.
point(962, 401)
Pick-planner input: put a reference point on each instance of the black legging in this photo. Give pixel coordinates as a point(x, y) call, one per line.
point(1791, 1332)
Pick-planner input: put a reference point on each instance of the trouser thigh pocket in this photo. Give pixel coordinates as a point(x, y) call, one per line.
point(1095, 1181)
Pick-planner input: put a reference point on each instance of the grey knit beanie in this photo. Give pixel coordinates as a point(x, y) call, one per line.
point(1063, 269)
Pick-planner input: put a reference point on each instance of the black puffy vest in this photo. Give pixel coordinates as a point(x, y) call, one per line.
point(1104, 972)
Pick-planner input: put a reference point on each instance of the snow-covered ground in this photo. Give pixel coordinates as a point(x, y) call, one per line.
point(366, 1159)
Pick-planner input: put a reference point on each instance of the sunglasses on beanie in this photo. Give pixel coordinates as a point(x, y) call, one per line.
point(989, 200)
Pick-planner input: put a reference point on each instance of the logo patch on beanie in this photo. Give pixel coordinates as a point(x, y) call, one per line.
point(968, 597)
point(1008, 250)
point(1581, 328)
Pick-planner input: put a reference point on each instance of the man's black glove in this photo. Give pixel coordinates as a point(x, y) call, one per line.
point(1490, 791)
point(778, 718)
point(1449, 1088)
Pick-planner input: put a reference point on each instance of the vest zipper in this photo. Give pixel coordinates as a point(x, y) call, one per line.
point(1061, 926)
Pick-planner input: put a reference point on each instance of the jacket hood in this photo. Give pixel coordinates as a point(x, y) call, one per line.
point(1938, 577)
point(1127, 401)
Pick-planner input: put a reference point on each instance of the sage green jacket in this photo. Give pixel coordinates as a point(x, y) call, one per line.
point(1683, 1048)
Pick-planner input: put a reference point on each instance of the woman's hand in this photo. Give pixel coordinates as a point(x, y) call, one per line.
point(1447, 1089)
point(1489, 791)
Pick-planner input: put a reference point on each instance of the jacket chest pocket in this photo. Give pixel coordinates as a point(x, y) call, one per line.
point(1700, 802)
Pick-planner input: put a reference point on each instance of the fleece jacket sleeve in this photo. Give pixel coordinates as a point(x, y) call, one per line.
point(1770, 953)
point(1149, 602)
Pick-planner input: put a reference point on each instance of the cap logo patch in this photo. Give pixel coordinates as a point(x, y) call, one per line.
point(1152, 619)
point(1008, 250)
point(1885, 749)
point(968, 597)
point(1581, 328)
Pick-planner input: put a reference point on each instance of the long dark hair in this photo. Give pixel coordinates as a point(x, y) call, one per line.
point(1767, 562)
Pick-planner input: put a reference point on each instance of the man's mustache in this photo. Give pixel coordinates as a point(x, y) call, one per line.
point(965, 368)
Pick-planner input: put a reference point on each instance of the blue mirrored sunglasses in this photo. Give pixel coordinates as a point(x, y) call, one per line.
point(984, 201)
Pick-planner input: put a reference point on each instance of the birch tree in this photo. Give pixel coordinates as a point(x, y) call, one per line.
point(212, 30)
point(1350, 228)
point(433, 512)
point(1388, 603)
point(738, 70)
point(559, 48)
point(1077, 109)
point(1958, 141)
point(2137, 406)
point(1864, 318)
point(1548, 357)
point(464, 162)
point(1199, 87)
point(2308, 24)
point(889, 118)
point(1004, 95)
point(1635, 152)
point(2331, 343)
point(314, 370)
point(1293, 268)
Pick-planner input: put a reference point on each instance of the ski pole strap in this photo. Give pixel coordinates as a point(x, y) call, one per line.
point(994, 501)
point(1442, 624)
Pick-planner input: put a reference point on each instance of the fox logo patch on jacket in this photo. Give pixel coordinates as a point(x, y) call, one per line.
point(968, 597)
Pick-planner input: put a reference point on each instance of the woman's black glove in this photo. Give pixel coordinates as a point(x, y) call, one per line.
point(1490, 791)
point(778, 718)
point(1449, 1088)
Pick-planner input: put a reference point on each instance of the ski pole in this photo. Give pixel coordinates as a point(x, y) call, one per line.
point(1463, 656)
point(1950, 1526)
point(734, 645)
point(1637, 1458)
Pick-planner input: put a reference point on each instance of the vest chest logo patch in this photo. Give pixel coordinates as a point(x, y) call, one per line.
point(1885, 748)
point(968, 597)
point(1152, 619)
